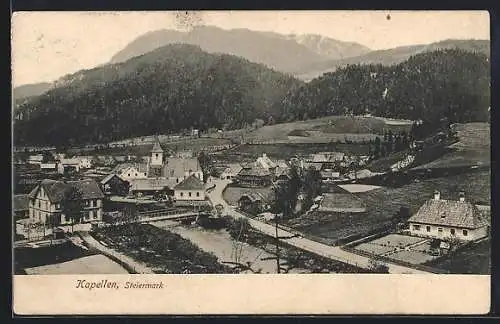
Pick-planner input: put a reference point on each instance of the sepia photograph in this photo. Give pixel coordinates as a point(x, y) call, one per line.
point(250, 142)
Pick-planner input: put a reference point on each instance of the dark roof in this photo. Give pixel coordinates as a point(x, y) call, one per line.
point(253, 197)
point(450, 213)
point(177, 167)
point(254, 170)
point(109, 177)
point(333, 188)
point(56, 190)
point(341, 202)
point(20, 203)
point(190, 183)
point(157, 147)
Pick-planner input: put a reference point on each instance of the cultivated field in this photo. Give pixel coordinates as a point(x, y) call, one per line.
point(331, 128)
point(383, 203)
point(405, 248)
point(472, 149)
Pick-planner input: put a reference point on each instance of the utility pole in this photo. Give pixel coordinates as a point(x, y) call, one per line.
point(277, 245)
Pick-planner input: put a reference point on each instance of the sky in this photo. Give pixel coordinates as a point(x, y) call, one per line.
point(49, 45)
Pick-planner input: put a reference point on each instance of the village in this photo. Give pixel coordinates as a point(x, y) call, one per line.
point(202, 210)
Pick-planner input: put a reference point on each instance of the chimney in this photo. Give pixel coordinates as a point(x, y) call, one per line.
point(437, 195)
point(461, 196)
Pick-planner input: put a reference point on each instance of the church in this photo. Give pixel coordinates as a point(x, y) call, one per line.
point(162, 166)
point(161, 172)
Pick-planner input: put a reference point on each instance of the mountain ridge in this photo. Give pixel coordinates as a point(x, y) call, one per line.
point(281, 52)
point(394, 55)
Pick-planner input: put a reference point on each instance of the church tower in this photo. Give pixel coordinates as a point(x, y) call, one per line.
point(156, 154)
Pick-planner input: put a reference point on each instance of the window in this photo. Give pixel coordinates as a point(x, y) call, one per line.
point(182, 194)
point(465, 232)
point(136, 174)
point(91, 214)
point(128, 174)
point(197, 194)
point(440, 230)
point(177, 180)
point(452, 231)
point(428, 228)
point(39, 204)
point(416, 227)
point(189, 194)
point(156, 155)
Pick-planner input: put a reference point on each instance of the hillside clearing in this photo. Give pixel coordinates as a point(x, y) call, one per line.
point(328, 129)
point(383, 203)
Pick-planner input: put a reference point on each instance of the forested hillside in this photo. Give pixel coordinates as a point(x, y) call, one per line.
point(394, 56)
point(446, 83)
point(170, 89)
point(178, 87)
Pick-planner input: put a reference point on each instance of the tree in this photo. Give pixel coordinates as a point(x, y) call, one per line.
point(311, 186)
point(73, 205)
point(206, 165)
point(377, 146)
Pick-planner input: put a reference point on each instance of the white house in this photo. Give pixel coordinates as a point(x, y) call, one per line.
point(50, 166)
point(46, 202)
point(190, 189)
point(35, 159)
point(131, 171)
point(449, 219)
point(85, 162)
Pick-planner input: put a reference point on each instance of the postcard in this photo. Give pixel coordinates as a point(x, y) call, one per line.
point(251, 162)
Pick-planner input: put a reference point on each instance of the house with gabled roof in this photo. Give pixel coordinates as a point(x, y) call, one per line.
point(190, 192)
point(231, 171)
point(46, 201)
point(449, 219)
point(254, 175)
point(131, 171)
point(112, 184)
point(253, 203)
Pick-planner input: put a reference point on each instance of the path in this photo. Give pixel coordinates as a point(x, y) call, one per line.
point(114, 255)
point(331, 252)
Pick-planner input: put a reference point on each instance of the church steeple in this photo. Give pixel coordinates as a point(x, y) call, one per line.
point(157, 153)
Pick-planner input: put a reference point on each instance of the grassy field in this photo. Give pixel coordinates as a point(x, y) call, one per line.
point(233, 194)
point(472, 259)
point(473, 148)
point(195, 144)
point(383, 203)
point(323, 130)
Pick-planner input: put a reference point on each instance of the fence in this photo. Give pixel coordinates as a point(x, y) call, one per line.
point(393, 261)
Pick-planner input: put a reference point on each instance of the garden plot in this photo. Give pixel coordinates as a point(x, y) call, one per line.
point(414, 250)
point(389, 243)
